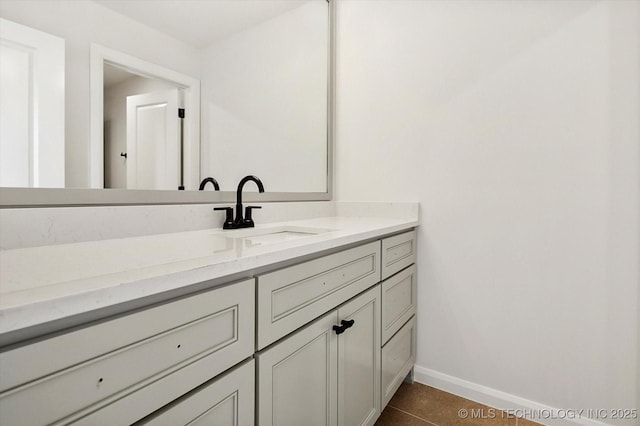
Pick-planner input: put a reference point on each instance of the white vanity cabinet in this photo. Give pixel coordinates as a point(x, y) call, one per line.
point(319, 377)
point(343, 368)
point(326, 341)
point(118, 371)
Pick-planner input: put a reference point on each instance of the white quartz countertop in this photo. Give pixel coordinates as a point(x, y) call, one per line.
point(43, 284)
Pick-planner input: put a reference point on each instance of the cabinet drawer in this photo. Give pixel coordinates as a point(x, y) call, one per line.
point(69, 376)
point(398, 252)
point(398, 358)
point(291, 297)
point(226, 401)
point(398, 301)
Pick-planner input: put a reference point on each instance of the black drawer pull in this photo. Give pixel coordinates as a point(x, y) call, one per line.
point(347, 323)
point(339, 329)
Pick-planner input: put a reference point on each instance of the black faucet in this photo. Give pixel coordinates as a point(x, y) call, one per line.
point(206, 180)
point(240, 221)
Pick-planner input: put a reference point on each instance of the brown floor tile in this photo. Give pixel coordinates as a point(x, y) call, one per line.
point(525, 422)
point(392, 417)
point(423, 401)
point(445, 409)
point(482, 415)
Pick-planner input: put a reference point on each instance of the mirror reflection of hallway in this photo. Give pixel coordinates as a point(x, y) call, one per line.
point(141, 131)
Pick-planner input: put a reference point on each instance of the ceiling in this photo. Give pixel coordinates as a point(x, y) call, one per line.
point(200, 22)
point(114, 75)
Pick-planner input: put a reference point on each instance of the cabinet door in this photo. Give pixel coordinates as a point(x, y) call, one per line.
point(297, 378)
point(359, 361)
point(227, 401)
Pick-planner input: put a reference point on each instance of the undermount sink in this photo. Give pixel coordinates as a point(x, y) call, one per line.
point(265, 236)
point(276, 237)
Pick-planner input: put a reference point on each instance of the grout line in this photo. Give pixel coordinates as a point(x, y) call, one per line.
point(412, 415)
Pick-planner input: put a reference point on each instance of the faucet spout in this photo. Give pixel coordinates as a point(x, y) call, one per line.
point(241, 221)
point(239, 218)
point(211, 180)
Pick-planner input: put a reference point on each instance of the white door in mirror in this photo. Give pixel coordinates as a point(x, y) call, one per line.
point(153, 140)
point(32, 85)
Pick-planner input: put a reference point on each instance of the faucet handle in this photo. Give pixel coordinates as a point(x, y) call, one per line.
point(228, 221)
point(247, 215)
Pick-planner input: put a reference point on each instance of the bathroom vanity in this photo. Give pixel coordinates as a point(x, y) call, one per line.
point(307, 322)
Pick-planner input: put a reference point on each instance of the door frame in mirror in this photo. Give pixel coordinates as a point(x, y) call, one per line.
point(78, 197)
point(100, 56)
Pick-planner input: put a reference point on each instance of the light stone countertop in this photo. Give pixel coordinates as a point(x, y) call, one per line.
point(43, 284)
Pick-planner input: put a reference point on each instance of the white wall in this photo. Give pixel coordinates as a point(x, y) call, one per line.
point(80, 23)
point(516, 126)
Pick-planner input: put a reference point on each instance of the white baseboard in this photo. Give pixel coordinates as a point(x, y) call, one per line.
point(522, 407)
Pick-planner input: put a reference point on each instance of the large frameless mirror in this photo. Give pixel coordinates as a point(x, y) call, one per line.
point(143, 100)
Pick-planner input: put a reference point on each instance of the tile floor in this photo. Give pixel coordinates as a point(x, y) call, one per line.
point(420, 405)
